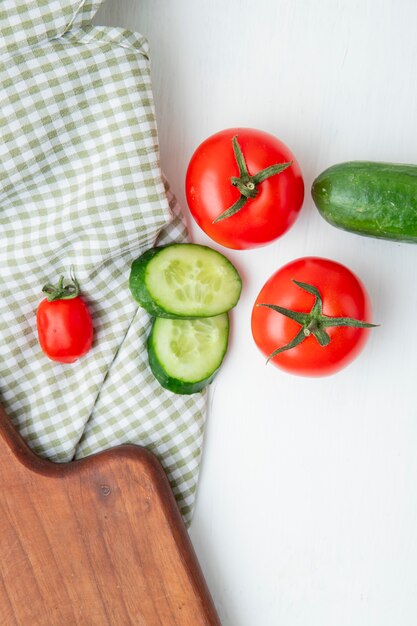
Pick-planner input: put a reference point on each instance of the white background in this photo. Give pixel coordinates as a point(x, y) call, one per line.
point(307, 505)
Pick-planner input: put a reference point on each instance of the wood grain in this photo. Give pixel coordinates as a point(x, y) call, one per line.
point(99, 541)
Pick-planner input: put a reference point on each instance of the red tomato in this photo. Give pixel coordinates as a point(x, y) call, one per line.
point(342, 295)
point(215, 181)
point(65, 328)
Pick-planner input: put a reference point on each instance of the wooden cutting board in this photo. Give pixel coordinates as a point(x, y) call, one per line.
point(97, 542)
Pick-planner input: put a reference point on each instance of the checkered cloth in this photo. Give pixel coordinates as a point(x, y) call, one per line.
point(81, 185)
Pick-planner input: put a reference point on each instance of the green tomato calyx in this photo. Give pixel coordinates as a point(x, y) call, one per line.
point(63, 290)
point(247, 184)
point(312, 323)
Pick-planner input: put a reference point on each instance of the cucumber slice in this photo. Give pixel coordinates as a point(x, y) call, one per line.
point(185, 280)
point(185, 355)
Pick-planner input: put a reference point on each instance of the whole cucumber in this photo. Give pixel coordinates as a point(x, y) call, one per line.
point(369, 198)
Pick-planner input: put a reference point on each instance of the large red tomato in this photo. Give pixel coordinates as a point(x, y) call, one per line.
point(311, 317)
point(65, 328)
point(244, 187)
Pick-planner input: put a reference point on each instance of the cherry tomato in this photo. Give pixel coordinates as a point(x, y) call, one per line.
point(65, 328)
point(244, 187)
point(311, 317)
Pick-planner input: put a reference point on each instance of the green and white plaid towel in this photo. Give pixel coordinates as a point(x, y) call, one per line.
point(81, 185)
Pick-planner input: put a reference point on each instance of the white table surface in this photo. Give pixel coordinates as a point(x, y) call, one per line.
point(307, 504)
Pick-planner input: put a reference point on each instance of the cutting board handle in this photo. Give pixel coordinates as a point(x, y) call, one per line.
point(13, 446)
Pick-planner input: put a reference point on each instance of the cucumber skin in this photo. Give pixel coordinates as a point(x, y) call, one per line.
point(137, 283)
point(176, 385)
point(369, 198)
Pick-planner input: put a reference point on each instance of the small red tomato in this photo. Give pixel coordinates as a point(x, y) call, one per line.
point(311, 317)
point(65, 328)
point(244, 187)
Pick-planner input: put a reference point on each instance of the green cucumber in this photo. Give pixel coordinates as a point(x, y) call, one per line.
point(369, 198)
point(184, 281)
point(185, 355)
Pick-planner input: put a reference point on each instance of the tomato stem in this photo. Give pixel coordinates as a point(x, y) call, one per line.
point(61, 291)
point(312, 323)
point(247, 184)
